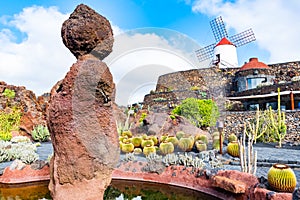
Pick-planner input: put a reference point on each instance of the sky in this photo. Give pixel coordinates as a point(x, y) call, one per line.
point(152, 37)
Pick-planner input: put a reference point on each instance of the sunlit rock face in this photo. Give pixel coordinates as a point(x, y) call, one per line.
point(80, 114)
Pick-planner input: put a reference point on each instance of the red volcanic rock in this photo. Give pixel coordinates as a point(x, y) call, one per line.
point(80, 114)
point(83, 131)
point(87, 32)
point(32, 113)
point(260, 193)
point(25, 175)
point(230, 185)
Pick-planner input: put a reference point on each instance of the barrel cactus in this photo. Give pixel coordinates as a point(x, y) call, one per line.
point(186, 144)
point(154, 139)
point(137, 151)
point(180, 134)
point(147, 141)
point(136, 141)
point(201, 137)
point(127, 133)
point(216, 144)
point(166, 147)
point(233, 149)
point(163, 137)
point(172, 139)
point(148, 149)
point(282, 178)
point(200, 145)
point(127, 147)
point(232, 137)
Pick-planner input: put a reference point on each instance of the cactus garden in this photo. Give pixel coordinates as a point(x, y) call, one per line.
point(210, 127)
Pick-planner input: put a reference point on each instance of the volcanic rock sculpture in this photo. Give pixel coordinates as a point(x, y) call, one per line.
point(80, 114)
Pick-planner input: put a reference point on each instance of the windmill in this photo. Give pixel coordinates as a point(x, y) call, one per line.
point(224, 50)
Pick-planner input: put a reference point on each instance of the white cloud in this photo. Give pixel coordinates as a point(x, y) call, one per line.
point(40, 59)
point(275, 23)
point(140, 56)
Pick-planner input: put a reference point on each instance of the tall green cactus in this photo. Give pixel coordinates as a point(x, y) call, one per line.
point(277, 122)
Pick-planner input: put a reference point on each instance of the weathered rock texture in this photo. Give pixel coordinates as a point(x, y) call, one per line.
point(33, 113)
point(80, 114)
point(87, 32)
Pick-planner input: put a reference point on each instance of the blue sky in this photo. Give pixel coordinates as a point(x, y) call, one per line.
point(32, 54)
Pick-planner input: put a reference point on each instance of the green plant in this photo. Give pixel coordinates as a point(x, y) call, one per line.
point(186, 144)
point(166, 147)
point(233, 149)
point(180, 134)
point(148, 149)
point(172, 139)
point(200, 112)
point(147, 141)
point(232, 137)
point(9, 94)
point(20, 139)
point(201, 137)
point(126, 133)
point(138, 150)
point(127, 125)
point(9, 121)
point(40, 133)
point(277, 122)
point(143, 116)
point(24, 151)
point(127, 147)
point(282, 178)
point(154, 139)
point(248, 158)
point(200, 145)
point(136, 141)
point(216, 144)
point(258, 127)
point(195, 88)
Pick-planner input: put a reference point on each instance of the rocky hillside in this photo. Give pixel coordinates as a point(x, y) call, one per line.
point(33, 108)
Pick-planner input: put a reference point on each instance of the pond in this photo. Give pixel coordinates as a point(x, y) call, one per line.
point(118, 190)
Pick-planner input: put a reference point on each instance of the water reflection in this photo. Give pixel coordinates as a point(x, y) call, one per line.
point(118, 190)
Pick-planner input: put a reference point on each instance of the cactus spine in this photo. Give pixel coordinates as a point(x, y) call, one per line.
point(282, 178)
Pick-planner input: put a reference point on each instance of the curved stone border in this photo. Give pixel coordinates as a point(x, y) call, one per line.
point(227, 184)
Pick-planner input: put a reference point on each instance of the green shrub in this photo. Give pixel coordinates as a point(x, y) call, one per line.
point(200, 112)
point(40, 133)
point(9, 121)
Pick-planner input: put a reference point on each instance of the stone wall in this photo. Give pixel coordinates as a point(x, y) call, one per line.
point(217, 82)
point(234, 123)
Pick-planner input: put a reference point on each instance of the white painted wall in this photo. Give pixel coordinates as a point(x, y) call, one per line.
point(228, 56)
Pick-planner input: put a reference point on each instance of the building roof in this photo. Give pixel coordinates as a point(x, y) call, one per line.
point(254, 64)
point(224, 41)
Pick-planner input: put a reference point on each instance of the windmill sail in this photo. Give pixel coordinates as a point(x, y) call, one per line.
point(218, 28)
point(205, 53)
point(242, 38)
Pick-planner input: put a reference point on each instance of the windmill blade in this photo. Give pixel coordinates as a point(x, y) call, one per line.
point(218, 28)
point(205, 53)
point(242, 38)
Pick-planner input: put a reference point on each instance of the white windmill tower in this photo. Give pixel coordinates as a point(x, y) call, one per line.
point(223, 51)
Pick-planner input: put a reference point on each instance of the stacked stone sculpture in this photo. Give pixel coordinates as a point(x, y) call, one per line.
point(80, 114)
